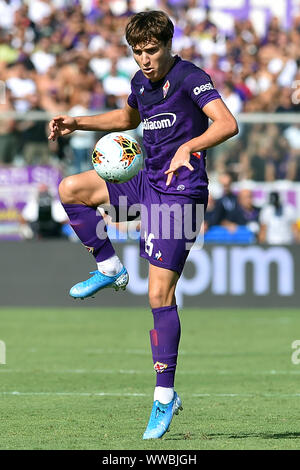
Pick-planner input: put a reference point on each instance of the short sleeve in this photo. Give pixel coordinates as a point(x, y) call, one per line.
point(131, 100)
point(200, 88)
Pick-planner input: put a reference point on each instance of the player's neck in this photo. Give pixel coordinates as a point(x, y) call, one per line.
point(167, 68)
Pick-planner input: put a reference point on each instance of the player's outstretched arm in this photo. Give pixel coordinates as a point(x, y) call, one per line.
point(116, 120)
point(222, 128)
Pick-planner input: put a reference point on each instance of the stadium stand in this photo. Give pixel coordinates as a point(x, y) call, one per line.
point(71, 56)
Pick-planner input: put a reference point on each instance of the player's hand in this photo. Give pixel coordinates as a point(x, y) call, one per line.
point(181, 158)
point(61, 125)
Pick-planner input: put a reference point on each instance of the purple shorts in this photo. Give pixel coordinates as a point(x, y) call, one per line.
point(169, 223)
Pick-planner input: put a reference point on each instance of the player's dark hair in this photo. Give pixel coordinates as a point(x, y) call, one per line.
point(148, 25)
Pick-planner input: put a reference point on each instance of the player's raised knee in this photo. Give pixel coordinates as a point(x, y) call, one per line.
point(68, 189)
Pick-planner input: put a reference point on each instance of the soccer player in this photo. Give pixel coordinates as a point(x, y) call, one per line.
point(174, 100)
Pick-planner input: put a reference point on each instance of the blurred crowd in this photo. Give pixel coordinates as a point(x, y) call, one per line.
point(234, 217)
point(71, 56)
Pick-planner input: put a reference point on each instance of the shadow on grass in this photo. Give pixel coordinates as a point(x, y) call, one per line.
point(261, 435)
point(187, 437)
point(205, 437)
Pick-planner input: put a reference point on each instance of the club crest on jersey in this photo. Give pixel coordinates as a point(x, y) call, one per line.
point(166, 88)
point(160, 367)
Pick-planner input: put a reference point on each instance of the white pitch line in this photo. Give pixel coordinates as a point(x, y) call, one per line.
point(138, 352)
point(248, 395)
point(80, 371)
point(80, 394)
point(3, 369)
point(193, 395)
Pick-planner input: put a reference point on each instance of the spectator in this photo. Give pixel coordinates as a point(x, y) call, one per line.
point(34, 139)
point(232, 98)
point(280, 163)
point(241, 87)
point(42, 58)
point(57, 31)
point(21, 86)
point(231, 159)
point(217, 74)
point(82, 142)
point(292, 134)
point(226, 206)
point(243, 212)
point(8, 135)
point(7, 12)
point(270, 156)
point(210, 214)
point(67, 46)
point(98, 97)
point(278, 222)
point(285, 104)
point(75, 77)
point(51, 91)
point(116, 87)
point(39, 9)
point(247, 213)
point(43, 216)
point(8, 54)
point(209, 40)
point(258, 165)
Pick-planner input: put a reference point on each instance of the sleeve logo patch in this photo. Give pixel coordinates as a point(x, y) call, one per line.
point(199, 89)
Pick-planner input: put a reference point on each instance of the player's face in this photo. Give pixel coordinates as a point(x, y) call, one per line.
point(153, 58)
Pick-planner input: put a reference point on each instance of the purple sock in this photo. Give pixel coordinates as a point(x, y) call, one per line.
point(88, 224)
point(164, 343)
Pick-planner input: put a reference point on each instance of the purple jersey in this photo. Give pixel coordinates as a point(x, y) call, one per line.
point(171, 114)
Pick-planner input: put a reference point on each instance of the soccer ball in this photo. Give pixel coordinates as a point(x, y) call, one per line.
point(117, 157)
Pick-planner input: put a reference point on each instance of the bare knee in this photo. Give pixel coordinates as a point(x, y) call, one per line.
point(160, 297)
point(68, 190)
point(85, 188)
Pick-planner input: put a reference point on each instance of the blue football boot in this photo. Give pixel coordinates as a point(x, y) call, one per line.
point(161, 417)
point(99, 281)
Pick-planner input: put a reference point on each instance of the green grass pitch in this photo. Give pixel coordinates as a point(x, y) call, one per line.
point(83, 379)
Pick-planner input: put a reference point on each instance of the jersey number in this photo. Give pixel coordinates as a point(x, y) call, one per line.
point(148, 243)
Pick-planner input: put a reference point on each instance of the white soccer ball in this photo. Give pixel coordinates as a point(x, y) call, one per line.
point(117, 157)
